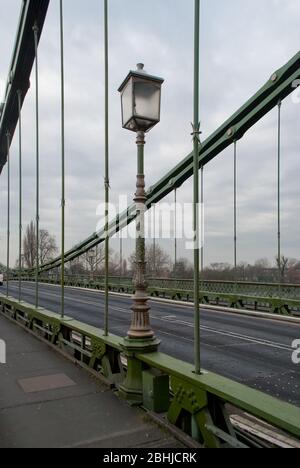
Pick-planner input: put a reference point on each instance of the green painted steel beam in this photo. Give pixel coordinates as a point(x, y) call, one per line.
point(32, 11)
point(277, 88)
point(276, 412)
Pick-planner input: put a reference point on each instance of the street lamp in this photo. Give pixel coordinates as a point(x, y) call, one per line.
point(141, 102)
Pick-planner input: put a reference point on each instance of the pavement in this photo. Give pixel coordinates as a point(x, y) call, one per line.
point(48, 402)
point(254, 351)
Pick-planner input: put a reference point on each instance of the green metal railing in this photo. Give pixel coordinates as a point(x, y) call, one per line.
point(242, 295)
point(197, 404)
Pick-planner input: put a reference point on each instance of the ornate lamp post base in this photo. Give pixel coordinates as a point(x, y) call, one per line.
point(132, 388)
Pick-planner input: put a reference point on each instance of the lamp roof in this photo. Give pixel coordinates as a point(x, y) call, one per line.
point(140, 73)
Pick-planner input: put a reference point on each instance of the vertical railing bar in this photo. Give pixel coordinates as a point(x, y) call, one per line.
point(107, 182)
point(63, 201)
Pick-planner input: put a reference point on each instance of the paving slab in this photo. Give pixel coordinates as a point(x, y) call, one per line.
point(47, 402)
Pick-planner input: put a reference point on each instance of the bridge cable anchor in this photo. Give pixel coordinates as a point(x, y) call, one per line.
point(196, 132)
point(107, 183)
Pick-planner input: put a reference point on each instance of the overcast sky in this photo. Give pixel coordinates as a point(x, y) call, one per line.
point(242, 44)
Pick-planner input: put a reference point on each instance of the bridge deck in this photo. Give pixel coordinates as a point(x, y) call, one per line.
point(46, 401)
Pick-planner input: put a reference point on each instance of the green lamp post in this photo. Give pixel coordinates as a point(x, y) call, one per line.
point(141, 103)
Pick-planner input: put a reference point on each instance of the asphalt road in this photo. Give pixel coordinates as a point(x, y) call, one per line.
point(253, 351)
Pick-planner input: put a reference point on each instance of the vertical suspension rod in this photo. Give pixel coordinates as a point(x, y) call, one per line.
point(8, 213)
point(175, 230)
point(35, 31)
point(63, 201)
point(196, 133)
point(202, 223)
point(154, 239)
point(279, 198)
point(235, 208)
point(106, 325)
point(20, 192)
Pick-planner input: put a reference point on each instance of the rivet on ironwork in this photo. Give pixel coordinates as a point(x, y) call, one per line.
point(274, 77)
point(230, 132)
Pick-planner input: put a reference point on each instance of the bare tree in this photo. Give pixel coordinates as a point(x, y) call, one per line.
point(47, 246)
point(262, 263)
point(29, 246)
point(282, 265)
point(158, 261)
point(94, 259)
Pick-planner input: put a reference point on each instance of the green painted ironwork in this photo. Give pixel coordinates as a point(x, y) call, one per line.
point(8, 138)
point(20, 191)
point(198, 404)
point(37, 195)
point(278, 87)
point(106, 183)
point(279, 200)
point(32, 12)
point(63, 198)
point(196, 140)
point(235, 208)
point(262, 297)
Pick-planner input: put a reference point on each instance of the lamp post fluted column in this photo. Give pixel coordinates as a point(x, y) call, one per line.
point(140, 325)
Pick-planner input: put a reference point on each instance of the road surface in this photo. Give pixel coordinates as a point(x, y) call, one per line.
point(254, 351)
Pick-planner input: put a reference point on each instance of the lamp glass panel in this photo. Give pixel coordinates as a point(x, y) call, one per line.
point(147, 100)
point(127, 102)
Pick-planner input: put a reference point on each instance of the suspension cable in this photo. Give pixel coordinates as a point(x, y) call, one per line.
point(279, 199)
point(121, 255)
point(154, 239)
point(196, 140)
point(63, 201)
point(235, 209)
point(20, 192)
point(107, 184)
point(202, 223)
point(8, 213)
point(35, 31)
point(175, 231)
